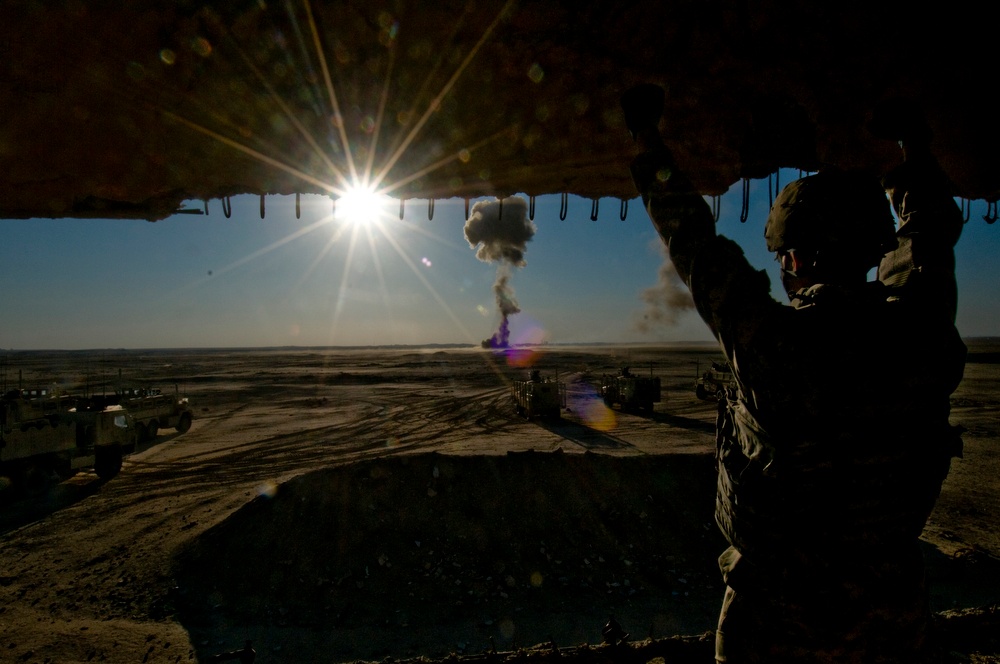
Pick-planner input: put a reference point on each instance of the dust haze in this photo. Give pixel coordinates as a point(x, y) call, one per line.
point(666, 302)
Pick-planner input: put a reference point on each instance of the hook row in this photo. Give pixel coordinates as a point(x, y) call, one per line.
point(991, 212)
point(773, 189)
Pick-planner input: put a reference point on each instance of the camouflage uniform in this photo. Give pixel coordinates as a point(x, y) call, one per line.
point(923, 265)
point(832, 455)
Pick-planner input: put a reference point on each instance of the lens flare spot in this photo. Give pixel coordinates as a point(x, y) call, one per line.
point(267, 490)
point(426, 261)
point(483, 311)
point(391, 442)
point(536, 73)
point(167, 56)
point(507, 628)
point(135, 71)
point(521, 357)
point(537, 579)
point(201, 46)
point(464, 156)
point(529, 332)
point(597, 415)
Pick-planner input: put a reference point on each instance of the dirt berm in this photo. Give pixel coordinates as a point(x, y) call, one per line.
point(440, 556)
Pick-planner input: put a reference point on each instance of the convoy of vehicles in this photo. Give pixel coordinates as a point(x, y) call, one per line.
point(538, 397)
point(46, 434)
point(154, 411)
point(42, 435)
point(629, 391)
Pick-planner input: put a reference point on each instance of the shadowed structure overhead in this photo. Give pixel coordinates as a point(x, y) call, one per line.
point(127, 109)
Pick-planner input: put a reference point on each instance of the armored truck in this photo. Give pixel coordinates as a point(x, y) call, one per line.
point(629, 391)
point(538, 397)
point(43, 434)
point(154, 411)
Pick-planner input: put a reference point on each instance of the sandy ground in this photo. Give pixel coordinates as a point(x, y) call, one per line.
point(363, 504)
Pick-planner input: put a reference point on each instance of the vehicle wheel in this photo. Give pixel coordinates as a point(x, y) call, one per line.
point(153, 429)
point(184, 423)
point(140, 432)
point(107, 461)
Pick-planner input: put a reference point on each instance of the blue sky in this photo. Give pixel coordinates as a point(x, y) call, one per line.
point(209, 281)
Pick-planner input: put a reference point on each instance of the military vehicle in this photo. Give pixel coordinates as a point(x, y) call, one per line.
point(716, 383)
point(630, 391)
point(153, 411)
point(538, 397)
point(42, 434)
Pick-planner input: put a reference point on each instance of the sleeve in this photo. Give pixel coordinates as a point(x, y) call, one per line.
point(921, 195)
point(731, 296)
point(678, 212)
point(922, 267)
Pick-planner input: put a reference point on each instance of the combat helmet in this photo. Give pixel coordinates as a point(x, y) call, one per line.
point(839, 215)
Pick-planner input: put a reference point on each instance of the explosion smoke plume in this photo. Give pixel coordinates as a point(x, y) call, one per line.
point(666, 301)
point(499, 232)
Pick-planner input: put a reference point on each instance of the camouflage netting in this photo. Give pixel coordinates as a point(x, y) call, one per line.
point(128, 109)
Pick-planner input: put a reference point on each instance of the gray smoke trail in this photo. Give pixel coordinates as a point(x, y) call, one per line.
point(499, 231)
point(666, 301)
point(505, 294)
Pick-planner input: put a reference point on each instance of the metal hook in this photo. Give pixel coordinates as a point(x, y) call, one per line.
point(205, 201)
point(500, 211)
point(262, 206)
point(227, 207)
point(623, 209)
point(401, 209)
point(777, 187)
point(716, 207)
point(563, 206)
point(298, 207)
point(745, 210)
point(333, 206)
point(593, 209)
point(430, 209)
point(466, 209)
point(531, 208)
point(991, 212)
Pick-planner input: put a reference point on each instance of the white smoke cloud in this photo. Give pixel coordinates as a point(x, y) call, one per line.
point(665, 302)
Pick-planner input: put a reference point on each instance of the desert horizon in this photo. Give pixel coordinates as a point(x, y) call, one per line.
point(345, 504)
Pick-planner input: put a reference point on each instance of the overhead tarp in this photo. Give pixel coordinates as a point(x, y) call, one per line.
point(126, 109)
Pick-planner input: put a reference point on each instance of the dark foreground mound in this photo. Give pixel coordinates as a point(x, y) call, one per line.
point(431, 554)
point(477, 557)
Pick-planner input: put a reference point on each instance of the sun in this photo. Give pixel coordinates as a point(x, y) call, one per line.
point(361, 206)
